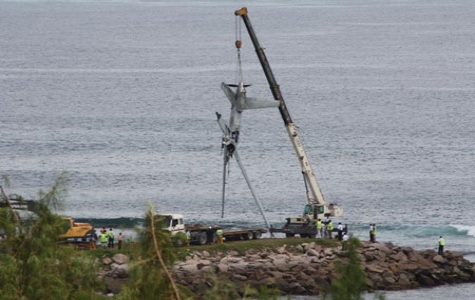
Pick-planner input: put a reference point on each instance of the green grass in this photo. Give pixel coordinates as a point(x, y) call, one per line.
point(267, 243)
point(132, 250)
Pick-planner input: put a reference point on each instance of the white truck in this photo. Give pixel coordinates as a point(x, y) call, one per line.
point(205, 234)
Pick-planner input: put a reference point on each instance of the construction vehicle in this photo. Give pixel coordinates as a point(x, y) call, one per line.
point(80, 235)
point(316, 207)
point(203, 234)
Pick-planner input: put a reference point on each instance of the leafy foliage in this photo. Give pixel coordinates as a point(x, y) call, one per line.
point(32, 266)
point(225, 290)
point(150, 278)
point(350, 280)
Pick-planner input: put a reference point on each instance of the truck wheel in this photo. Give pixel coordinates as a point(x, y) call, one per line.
point(179, 239)
point(179, 242)
point(202, 238)
point(257, 235)
point(288, 234)
point(247, 236)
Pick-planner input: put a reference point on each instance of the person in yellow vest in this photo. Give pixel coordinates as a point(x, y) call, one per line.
point(219, 234)
point(441, 245)
point(373, 233)
point(103, 239)
point(330, 228)
point(319, 226)
point(110, 236)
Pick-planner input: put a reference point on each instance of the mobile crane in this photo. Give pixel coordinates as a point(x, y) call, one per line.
point(316, 206)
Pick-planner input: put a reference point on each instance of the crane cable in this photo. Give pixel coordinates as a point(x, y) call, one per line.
point(238, 44)
point(238, 79)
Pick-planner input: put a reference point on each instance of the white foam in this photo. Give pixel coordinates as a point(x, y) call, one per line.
point(469, 229)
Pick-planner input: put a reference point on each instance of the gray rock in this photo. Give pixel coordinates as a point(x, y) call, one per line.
point(120, 258)
point(119, 271)
point(312, 252)
point(106, 260)
point(239, 277)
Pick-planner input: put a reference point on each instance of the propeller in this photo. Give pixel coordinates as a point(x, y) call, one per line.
point(237, 85)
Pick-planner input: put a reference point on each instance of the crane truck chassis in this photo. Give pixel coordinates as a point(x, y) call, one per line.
point(174, 223)
point(316, 207)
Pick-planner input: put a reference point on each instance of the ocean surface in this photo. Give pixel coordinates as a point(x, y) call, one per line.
point(122, 96)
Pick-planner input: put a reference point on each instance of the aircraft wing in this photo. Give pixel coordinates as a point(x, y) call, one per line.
point(224, 127)
point(254, 103)
point(229, 93)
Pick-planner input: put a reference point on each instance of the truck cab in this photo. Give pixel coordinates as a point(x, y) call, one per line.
point(172, 222)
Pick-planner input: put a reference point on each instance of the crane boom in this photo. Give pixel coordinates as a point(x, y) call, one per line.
point(316, 202)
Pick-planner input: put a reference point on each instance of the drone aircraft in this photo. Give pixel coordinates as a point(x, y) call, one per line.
point(239, 102)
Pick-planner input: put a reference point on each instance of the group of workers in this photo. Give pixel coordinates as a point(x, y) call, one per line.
point(325, 229)
point(107, 238)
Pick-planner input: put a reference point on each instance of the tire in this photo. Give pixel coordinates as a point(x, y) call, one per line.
point(179, 243)
point(247, 236)
point(257, 235)
point(303, 235)
point(288, 234)
point(202, 239)
point(179, 239)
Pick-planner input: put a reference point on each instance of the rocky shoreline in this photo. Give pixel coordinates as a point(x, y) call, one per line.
point(307, 268)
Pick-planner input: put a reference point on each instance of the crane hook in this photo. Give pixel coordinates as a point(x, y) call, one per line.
point(238, 44)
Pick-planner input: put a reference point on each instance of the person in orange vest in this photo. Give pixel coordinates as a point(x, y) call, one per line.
point(92, 243)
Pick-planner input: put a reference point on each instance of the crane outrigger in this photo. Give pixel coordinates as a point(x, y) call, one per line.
point(316, 206)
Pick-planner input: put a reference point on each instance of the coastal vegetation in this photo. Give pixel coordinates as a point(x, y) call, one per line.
point(34, 266)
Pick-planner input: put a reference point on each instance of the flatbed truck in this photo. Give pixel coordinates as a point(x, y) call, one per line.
point(201, 234)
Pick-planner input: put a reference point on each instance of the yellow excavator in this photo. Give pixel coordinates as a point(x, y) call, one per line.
point(80, 235)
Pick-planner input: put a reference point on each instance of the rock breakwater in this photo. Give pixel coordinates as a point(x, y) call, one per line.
point(308, 268)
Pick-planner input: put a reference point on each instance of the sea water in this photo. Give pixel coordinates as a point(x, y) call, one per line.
point(122, 96)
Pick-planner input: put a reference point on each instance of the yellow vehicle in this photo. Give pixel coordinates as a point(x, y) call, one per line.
point(80, 235)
